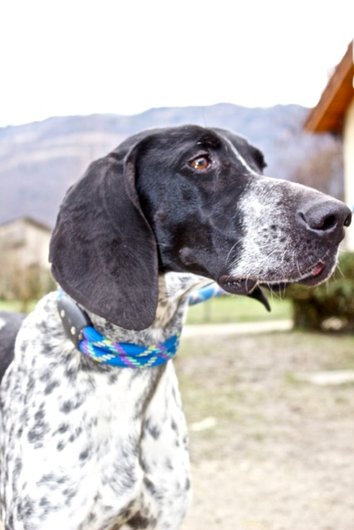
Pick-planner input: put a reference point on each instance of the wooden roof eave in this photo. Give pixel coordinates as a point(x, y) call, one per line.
point(329, 113)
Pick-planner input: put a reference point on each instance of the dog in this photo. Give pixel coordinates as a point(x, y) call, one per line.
point(9, 325)
point(86, 445)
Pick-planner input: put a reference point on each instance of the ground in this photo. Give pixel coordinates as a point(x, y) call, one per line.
point(271, 448)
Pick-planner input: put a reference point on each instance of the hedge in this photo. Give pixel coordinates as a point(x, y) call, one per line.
point(330, 303)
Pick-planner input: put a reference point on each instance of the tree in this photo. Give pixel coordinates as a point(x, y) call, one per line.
point(323, 170)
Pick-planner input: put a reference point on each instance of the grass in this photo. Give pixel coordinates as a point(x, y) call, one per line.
point(17, 306)
point(249, 384)
point(224, 309)
point(227, 309)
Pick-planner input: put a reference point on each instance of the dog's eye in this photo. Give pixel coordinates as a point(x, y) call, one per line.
point(200, 163)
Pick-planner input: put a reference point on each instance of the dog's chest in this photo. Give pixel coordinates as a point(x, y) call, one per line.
point(92, 449)
point(89, 448)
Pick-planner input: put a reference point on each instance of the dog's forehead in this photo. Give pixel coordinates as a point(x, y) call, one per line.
point(194, 135)
point(173, 142)
point(187, 135)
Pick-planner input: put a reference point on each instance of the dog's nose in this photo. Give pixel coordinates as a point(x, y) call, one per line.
point(325, 218)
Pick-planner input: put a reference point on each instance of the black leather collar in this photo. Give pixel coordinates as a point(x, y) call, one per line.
point(74, 319)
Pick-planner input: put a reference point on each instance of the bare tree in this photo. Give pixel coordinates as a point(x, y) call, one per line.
point(323, 170)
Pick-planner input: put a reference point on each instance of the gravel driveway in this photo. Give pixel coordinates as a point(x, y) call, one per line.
point(271, 431)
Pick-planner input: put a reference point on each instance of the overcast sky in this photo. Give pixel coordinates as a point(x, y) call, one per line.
point(64, 57)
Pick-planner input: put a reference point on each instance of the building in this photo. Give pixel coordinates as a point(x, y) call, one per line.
point(24, 266)
point(334, 113)
point(25, 242)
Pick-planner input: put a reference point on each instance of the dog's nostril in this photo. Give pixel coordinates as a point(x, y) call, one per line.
point(348, 220)
point(325, 217)
point(328, 223)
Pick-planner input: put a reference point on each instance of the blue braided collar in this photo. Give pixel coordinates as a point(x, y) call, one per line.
point(90, 342)
point(123, 354)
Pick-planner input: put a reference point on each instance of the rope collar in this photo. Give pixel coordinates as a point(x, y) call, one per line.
point(79, 329)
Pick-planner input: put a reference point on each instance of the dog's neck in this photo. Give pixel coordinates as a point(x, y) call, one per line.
point(174, 289)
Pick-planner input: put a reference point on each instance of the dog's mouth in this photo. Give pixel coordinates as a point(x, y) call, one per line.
point(253, 287)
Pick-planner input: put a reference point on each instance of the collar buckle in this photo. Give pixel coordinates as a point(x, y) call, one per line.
point(73, 318)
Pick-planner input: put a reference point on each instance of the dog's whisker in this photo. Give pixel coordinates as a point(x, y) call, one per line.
point(338, 268)
point(232, 249)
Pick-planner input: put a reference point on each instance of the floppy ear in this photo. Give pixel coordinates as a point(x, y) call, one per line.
point(103, 251)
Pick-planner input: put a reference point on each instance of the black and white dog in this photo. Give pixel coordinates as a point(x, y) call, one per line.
point(90, 446)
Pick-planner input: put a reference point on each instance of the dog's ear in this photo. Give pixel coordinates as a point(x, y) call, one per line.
point(103, 251)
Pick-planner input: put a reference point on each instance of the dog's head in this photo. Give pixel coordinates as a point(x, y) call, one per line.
point(187, 199)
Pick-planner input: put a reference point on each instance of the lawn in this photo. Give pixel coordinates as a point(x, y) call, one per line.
point(16, 305)
point(225, 309)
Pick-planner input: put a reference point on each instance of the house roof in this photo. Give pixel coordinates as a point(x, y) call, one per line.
point(27, 220)
point(329, 113)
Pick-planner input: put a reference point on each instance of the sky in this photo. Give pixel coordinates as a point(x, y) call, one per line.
point(69, 57)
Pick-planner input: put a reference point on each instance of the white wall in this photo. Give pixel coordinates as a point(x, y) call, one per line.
point(348, 154)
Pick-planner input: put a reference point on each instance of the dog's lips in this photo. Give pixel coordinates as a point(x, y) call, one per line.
point(318, 269)
point(316, 275)
point(252, 288)
point(246, 286)
point(237, 285)
point(319, 273)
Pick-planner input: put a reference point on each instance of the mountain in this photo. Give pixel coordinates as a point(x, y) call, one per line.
point(39, 161)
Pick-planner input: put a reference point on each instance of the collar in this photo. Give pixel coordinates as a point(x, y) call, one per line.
point(79, 329)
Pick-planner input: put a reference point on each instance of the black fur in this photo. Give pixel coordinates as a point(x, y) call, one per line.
point(9, 325)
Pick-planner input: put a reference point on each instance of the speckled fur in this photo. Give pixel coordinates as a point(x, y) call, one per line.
point(103, 446)
point(91, 447)
point(271, 249)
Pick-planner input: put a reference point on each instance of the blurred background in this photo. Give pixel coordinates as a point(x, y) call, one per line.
point(269, 397)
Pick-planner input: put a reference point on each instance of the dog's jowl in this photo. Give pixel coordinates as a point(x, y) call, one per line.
point(93, 436)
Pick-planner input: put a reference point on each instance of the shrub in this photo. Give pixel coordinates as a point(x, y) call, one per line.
point(25, 284)
point(315, 308)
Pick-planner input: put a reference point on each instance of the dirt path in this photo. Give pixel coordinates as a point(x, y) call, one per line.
point(270, 451)
point(236, 329)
